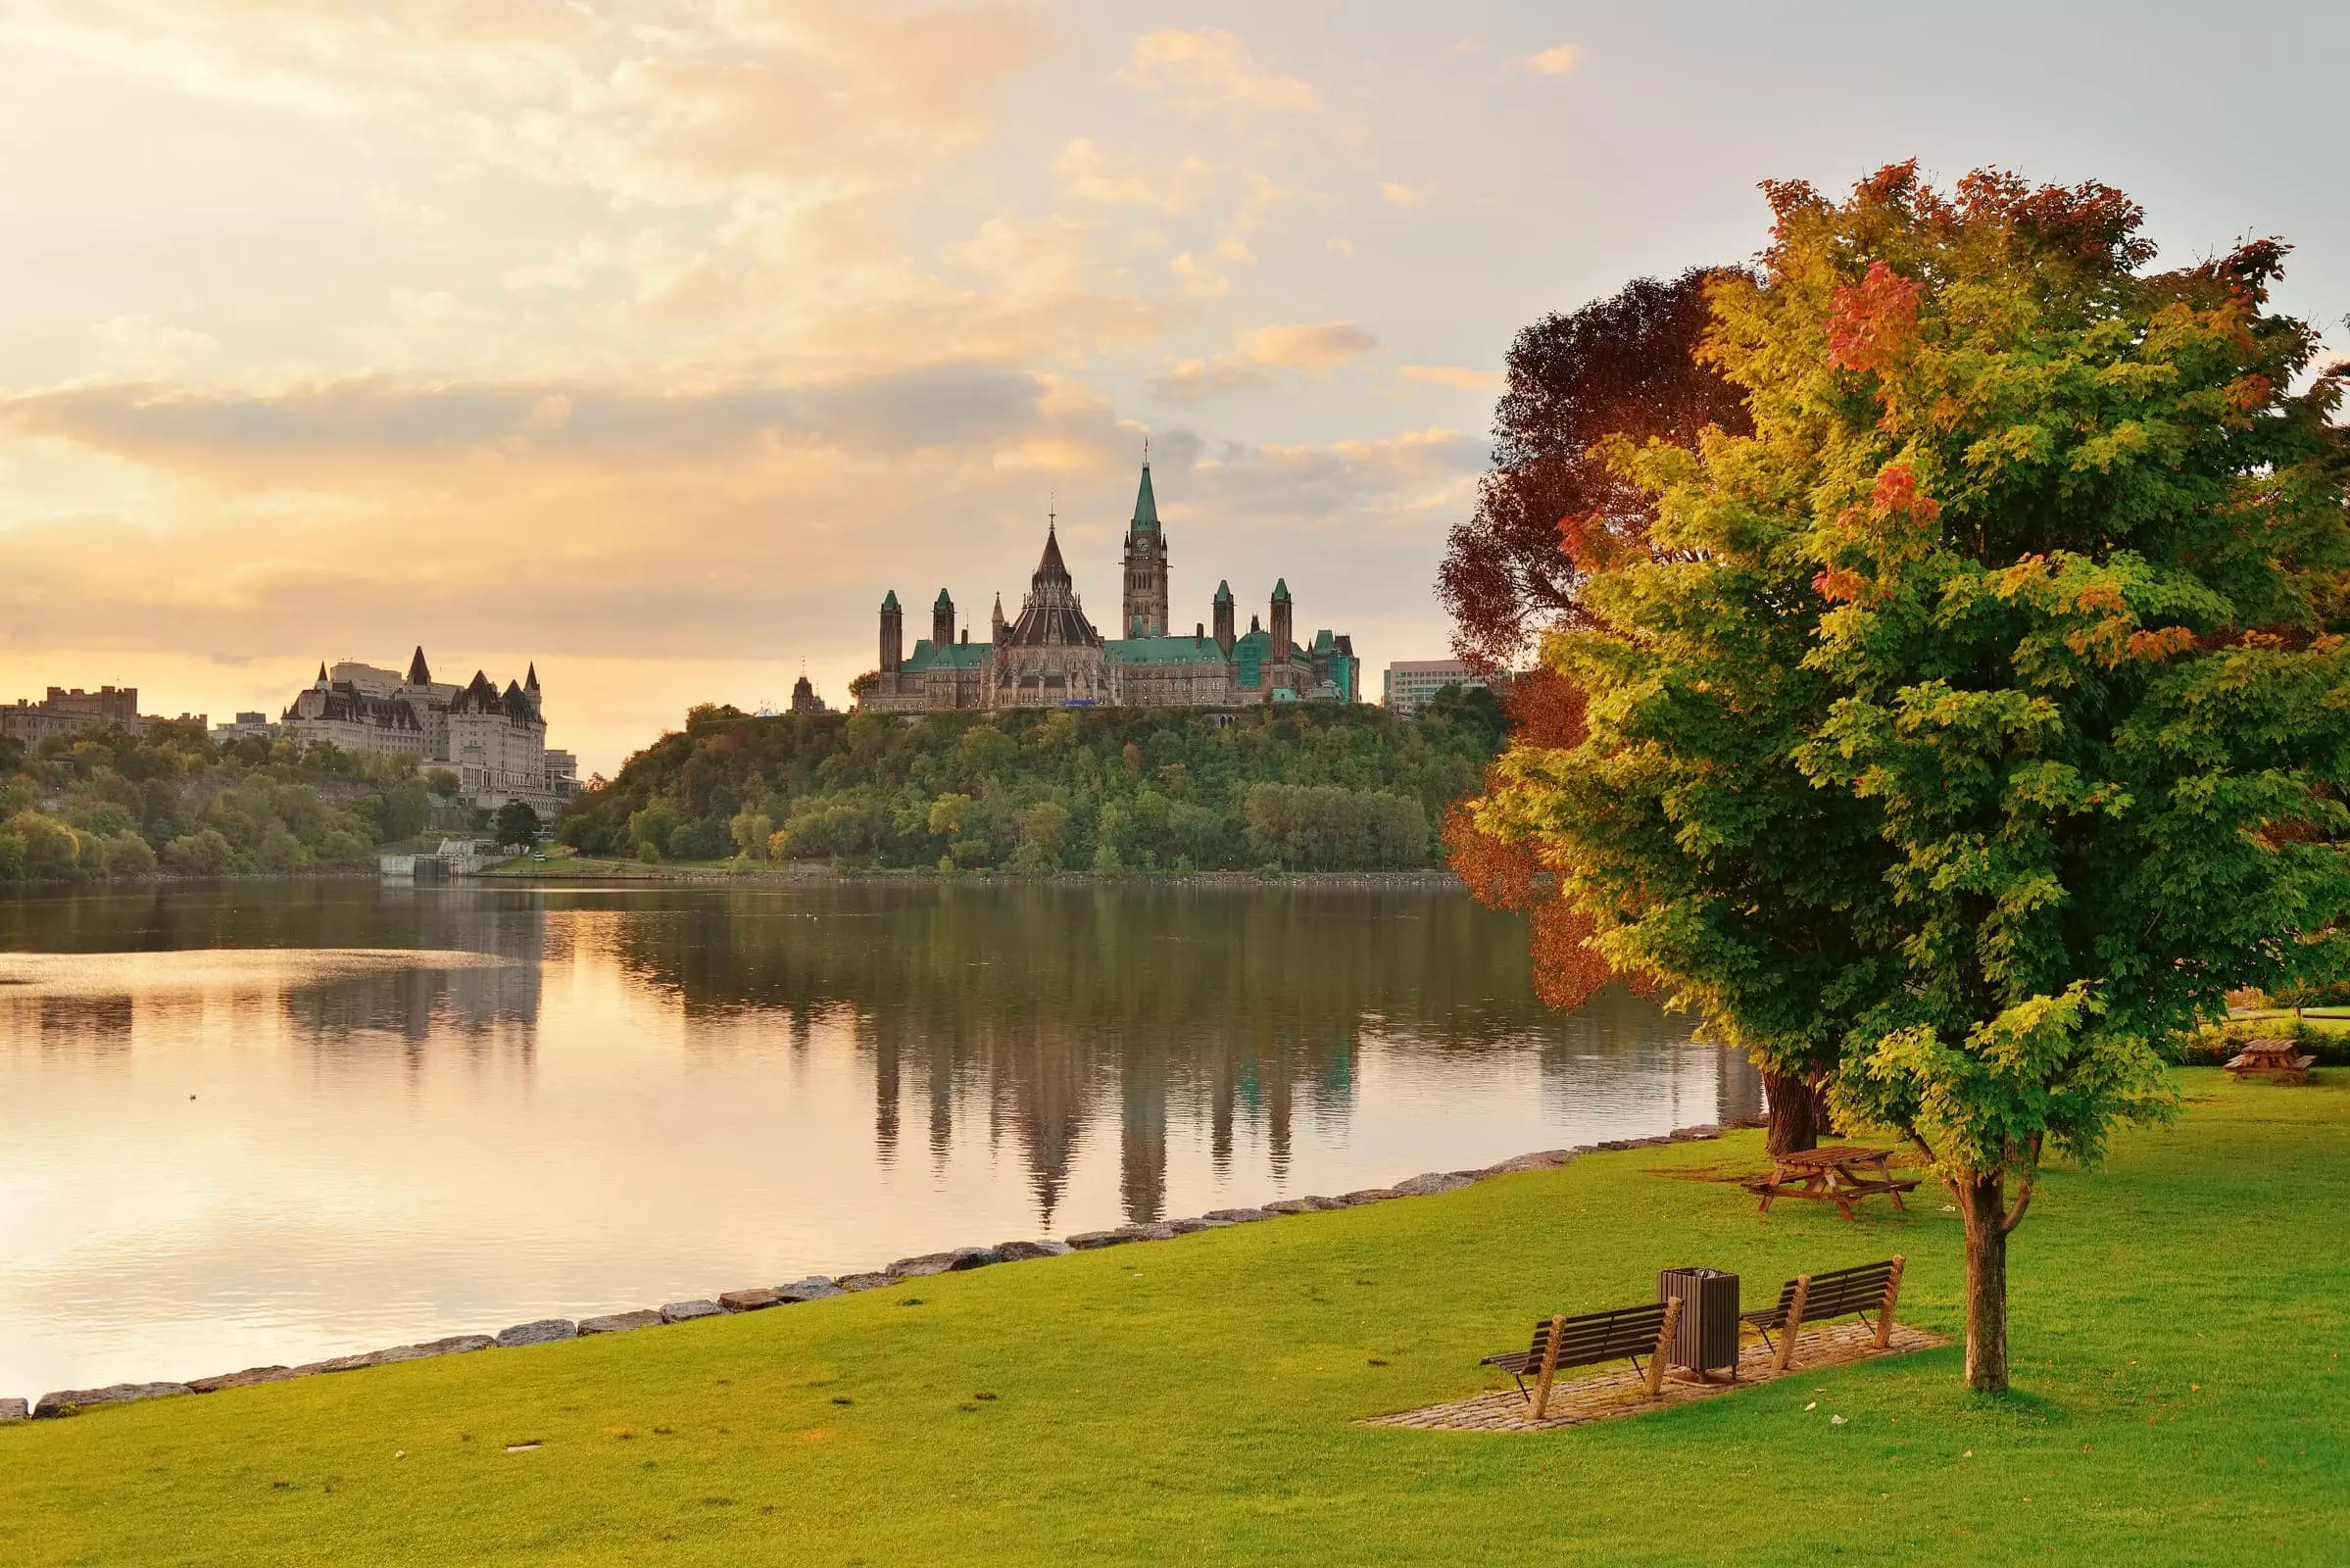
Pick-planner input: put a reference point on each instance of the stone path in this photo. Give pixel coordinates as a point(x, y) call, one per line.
point(1622, 1393)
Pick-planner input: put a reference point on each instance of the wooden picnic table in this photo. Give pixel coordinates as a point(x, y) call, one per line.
point(2281, 1058)
point(1838, 1175)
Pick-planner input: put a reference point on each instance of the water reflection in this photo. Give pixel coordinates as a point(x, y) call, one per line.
point(272, 1121)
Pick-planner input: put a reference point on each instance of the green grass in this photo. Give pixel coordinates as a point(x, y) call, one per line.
point(2179, 1320)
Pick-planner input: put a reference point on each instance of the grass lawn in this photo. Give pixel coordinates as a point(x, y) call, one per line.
point(2178, 1322)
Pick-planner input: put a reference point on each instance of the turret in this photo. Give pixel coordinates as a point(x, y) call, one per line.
point(1281, 622)
point(1146, 563)
point(1224, 637)
point(419, 673)
point(530, 685)
point(893, 634)
point(942, 621)
point(1000, 626)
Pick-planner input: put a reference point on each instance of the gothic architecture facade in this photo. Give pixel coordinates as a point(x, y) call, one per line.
point(494, 741)
point(1051, 655)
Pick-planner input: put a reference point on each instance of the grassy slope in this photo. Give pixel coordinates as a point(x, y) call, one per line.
point(1193, 1401)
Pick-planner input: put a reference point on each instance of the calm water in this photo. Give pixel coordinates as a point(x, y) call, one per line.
point(273, 1122)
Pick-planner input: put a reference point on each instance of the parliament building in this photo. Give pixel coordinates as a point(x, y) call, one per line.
point(1050, 656)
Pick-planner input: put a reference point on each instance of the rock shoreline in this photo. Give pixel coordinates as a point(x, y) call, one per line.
point(816, 1288)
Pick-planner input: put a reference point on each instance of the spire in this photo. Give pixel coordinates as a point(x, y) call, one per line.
point(943, 602)
point(1223, 593)
point(321, 671)
point(890, 600)
point(1280, 588)
point(1051, 567)
point(530, 677)
point(1145, 505)
point(419, 673)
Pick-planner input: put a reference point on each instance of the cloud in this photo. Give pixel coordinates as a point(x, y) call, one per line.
point(140, 345)
point(1403, 195)
point(1209, 66)
point(1558, 61)
point(1259, 355)
point(1085, 173)
point(1198, 277)
point(1455, 375)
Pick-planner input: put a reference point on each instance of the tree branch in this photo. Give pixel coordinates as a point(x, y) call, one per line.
point(2015, 1215)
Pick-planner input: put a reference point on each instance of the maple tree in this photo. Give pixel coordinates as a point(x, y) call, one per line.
point(1979, 718)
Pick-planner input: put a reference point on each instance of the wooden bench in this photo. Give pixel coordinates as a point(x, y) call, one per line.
point(2276, 1057)
point(1625, 1334)
point(1869, 1288)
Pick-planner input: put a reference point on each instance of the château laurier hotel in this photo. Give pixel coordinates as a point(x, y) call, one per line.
point(1050, 656)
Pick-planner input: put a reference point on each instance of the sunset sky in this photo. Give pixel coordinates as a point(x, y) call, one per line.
point(654, 341)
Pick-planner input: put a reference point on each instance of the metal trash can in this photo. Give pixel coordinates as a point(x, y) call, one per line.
point(1706, 1337)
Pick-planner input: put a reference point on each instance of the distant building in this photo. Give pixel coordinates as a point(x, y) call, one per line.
point(78, 713)
point(1409, 682)
point(804, 698)
point(1051, 656)
point(494, 740)
point(246, 724)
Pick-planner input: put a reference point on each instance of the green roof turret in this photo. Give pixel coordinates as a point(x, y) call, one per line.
point(1280, 588)
point(1145, 505)
point(943, 602)
point(890, 600)
point(1223, 593)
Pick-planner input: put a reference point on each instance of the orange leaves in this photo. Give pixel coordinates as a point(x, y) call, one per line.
point(2155, 645)
point(1837, 584)
point(1874, 322)
point(1896, 495)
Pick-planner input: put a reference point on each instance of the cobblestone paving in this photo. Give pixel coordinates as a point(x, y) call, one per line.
point(1622, 1393)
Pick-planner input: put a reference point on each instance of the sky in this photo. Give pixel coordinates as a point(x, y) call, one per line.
point(651, 341)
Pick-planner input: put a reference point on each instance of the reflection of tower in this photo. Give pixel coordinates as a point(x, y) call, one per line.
point(1276, 1112)
point(1737, 1087)
point(885, 1091)
point(1143, 1132)
point(1219, 1112)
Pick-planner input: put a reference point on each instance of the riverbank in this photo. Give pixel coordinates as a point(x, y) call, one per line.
point(574, 868)
point(1198, 1399)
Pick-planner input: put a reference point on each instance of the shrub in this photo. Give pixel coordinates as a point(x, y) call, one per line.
point(203, 852)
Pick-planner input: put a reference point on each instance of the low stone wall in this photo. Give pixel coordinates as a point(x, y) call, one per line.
point(816, 1288)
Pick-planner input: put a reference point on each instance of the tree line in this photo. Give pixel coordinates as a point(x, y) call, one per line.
point(1106, 790)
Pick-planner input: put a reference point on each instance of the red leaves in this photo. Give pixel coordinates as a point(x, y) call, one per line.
point(1896, 495)
point(1874, 321)
point(1837, 584)
point(2159, 644)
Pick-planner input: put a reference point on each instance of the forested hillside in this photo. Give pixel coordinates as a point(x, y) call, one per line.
point(114, 805)
point(1065, 789)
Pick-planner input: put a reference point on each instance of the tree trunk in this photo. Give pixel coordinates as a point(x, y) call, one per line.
point(1982, 1199)
point(1796, 1113)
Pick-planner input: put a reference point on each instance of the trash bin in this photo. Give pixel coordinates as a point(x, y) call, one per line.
point(1706, 1337)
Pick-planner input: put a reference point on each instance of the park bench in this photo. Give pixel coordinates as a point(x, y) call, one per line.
point(2278, 1059)
point(1868, 1287)
point(1625, 1334)
point(1838, 1175)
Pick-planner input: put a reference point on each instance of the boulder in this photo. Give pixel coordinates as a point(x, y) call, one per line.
point(1289, 1205)
point(350, 1363)
point(539, 1331)
point(1022, 1251)
point(241, 1380)
point(13, 1411)
point(1156, 1230)
point(1237, 1216)
point(1366, 1195)
point(750, 1300)
point(951, 1263)
point(73, 1401)
point(814, 1288)
point(871, 1281)
point(1192, 1226)
point(1431, 1184)
point(1611, 1145)
point(621, 1322)
point(1697, 1134)
point(1090, 1241)
point(684, 1311)
point(1524, 1162)
point(456, 1345)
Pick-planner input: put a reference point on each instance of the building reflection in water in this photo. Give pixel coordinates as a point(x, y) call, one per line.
point(1048, 1009)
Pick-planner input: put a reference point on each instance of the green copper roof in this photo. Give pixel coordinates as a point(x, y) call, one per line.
point(1223, 593)
point(1281, 589)
point(890, 602)
point(1145, 505)
point(1164, 651)
point(954, 656)
point(943, 602)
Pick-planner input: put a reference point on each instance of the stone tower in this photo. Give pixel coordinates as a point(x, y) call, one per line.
point(1278, 656)
point(893, 634)
point(942, 621)
point(1146, 556)
point(1224, 637)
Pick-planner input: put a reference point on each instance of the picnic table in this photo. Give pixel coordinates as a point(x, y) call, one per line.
point(2281, 1058)
point(1838, 1175)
